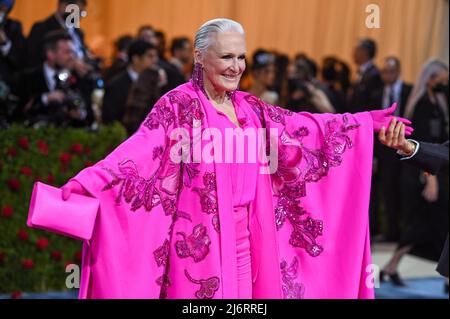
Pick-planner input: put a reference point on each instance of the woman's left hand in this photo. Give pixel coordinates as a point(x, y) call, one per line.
point(382, 118)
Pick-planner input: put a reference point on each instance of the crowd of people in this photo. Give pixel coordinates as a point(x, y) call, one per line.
point(52, 78)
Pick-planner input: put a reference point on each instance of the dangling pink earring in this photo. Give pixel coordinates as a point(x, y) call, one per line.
point(197, 78)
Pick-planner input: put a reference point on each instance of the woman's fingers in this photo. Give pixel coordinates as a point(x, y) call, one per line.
point(66, 192)
point(72, 187)
point(392, 108)
point(408, 130)
point(406, 121)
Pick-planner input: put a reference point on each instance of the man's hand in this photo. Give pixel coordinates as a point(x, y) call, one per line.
point(382, 118)
point(394, 137)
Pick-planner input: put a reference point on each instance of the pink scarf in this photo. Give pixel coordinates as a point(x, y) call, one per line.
point(165, 230)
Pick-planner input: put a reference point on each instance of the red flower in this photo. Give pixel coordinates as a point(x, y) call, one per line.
point(51, 178)
point(89, 164)
point(27, 263)
point(72, 80)
point(26, 171)
point(14, 184)
point(65, 158)
point(16, 294)
point(23, 143)
point(12, 151)
point(56, 255)
point(77, 148)
point(7, 211)
point(23, 235)
point(42, 243)
point(2, 257)
point(43, 147)
point(78, 256)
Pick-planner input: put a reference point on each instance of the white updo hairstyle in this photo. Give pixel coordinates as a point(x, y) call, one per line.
point(221, 25)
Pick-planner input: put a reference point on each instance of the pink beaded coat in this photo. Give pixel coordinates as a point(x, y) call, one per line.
point(165, 229)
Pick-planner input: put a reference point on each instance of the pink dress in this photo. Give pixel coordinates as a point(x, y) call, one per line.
point(243, 177)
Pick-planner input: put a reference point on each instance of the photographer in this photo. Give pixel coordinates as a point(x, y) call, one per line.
point(12, 49)
point(263, 72)
point(305, 92)
point(84, 62)
point(52, 93)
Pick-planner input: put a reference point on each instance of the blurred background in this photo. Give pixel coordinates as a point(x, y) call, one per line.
point(77, 77)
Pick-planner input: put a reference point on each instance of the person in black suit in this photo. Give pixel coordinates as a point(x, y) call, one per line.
point(173, 76)
point(12, 57)
point(388, 169)
point(142, 55)
point(57, 21)
point(369, 78)
point(430, 157)
point(52, 93)
point(182, 55)
point(12, 44)
point(425, 199)
point(120, 61)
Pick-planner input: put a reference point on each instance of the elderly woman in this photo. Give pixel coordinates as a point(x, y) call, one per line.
point(185, 213)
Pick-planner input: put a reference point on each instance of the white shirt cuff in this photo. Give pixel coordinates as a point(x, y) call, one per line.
point(5, 48)
point(412, 155)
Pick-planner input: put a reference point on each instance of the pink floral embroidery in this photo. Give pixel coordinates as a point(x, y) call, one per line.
point(161, 114)
point(289, 182)
point(291, 289)
point(162, 254)
point(189, 109)
point(207, 195)
point(170, 209)
point(208, 287)
point(158, 152)
point(135, 189)
point(164, 282)
point(216, 223)
point(208, 198)
point(275, 113)
point(305, 230)
point(336, 142)
point(195, 245)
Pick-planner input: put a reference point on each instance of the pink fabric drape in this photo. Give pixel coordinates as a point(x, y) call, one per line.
point(166, 230)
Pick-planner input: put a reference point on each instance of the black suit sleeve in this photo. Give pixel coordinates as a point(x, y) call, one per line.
point(431, 157)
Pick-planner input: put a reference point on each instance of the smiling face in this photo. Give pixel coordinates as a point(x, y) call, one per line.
point(224, 61)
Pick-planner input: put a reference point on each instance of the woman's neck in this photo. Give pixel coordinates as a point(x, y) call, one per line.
point(218, 97)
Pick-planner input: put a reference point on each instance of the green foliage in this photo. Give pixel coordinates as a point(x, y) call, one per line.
point(51, 155)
